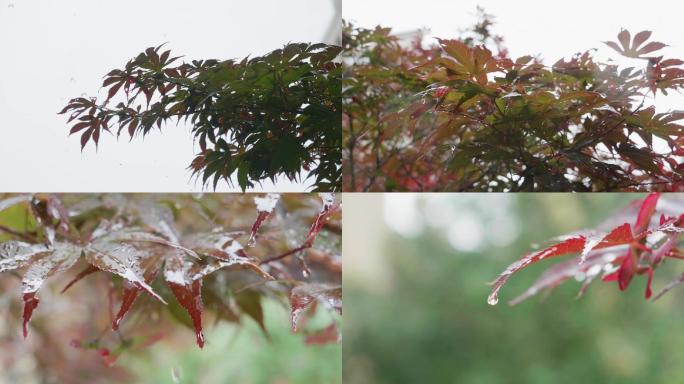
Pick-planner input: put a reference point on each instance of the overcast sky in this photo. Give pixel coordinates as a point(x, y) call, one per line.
point(554, 29)
point(53, 51)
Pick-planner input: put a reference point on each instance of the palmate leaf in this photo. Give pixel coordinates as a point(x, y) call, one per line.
point(475, 63)
point(635, 48)
point(180, 268)
point(120, 259)
point(42, 262)
point(619, 255)
point(184, 276)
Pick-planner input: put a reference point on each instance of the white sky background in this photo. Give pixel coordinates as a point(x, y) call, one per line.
point(53, 51)
point(554, 29)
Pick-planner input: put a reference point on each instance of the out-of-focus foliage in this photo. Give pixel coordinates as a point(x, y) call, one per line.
point(459, 117)
point(185, 252)
point(447, 333)
point(241, 355)
point(258, 118)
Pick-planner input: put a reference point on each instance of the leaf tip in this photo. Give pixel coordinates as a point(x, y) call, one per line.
point(30, 303)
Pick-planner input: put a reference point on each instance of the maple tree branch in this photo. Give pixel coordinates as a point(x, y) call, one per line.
point(285, 254)
point(21, 235)
point(350, 147)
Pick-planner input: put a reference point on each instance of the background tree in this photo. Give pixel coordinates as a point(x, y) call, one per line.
point(460, 117)
point(258, 118)
point(291, 255)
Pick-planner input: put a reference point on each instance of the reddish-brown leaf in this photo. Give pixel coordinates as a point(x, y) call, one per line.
point(304, 296)
point(651, 47)
point(190, 297)
point(30, 303)
point(265, 206)
point(96, 132)
point(619, 235)
point(111, 80)
point(627, 270)
point(329, 334)
point(132, 291)
point(132, 126)
point(78, 127)
point(640, 38)
point(571, 245)
point(646, 212)
point(648, 292)
point(121, 259)
point(58, 258)
point(625, 38)
point(85, 137)
point(671, 62)
point(329, 208)
point(87, 271)
point(613, 45)
point(114, 89)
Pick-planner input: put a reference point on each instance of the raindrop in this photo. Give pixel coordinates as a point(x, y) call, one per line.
point(590, 242)
point(306, 272)
point(328, 199)
point(176, 374)
point(511, 94)
point(265, 206)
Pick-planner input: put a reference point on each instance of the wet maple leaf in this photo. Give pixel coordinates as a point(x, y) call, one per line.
point(304, 298)
point(265, 206)
point(624, 252)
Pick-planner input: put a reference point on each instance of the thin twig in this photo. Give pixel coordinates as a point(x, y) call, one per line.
point(284, 255)
point(21, 235)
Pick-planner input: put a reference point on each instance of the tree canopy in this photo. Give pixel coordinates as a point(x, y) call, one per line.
point(464, 116)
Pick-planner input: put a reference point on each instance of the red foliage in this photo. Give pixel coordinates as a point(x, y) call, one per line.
point(457, 116)
point(137, 238)
point(620, 255)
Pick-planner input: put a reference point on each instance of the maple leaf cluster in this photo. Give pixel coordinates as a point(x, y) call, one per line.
point(635, 242)
point(193, 244)
point(257, 118)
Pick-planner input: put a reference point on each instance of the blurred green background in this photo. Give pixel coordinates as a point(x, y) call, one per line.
point(415, 278)
point(241, 354)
